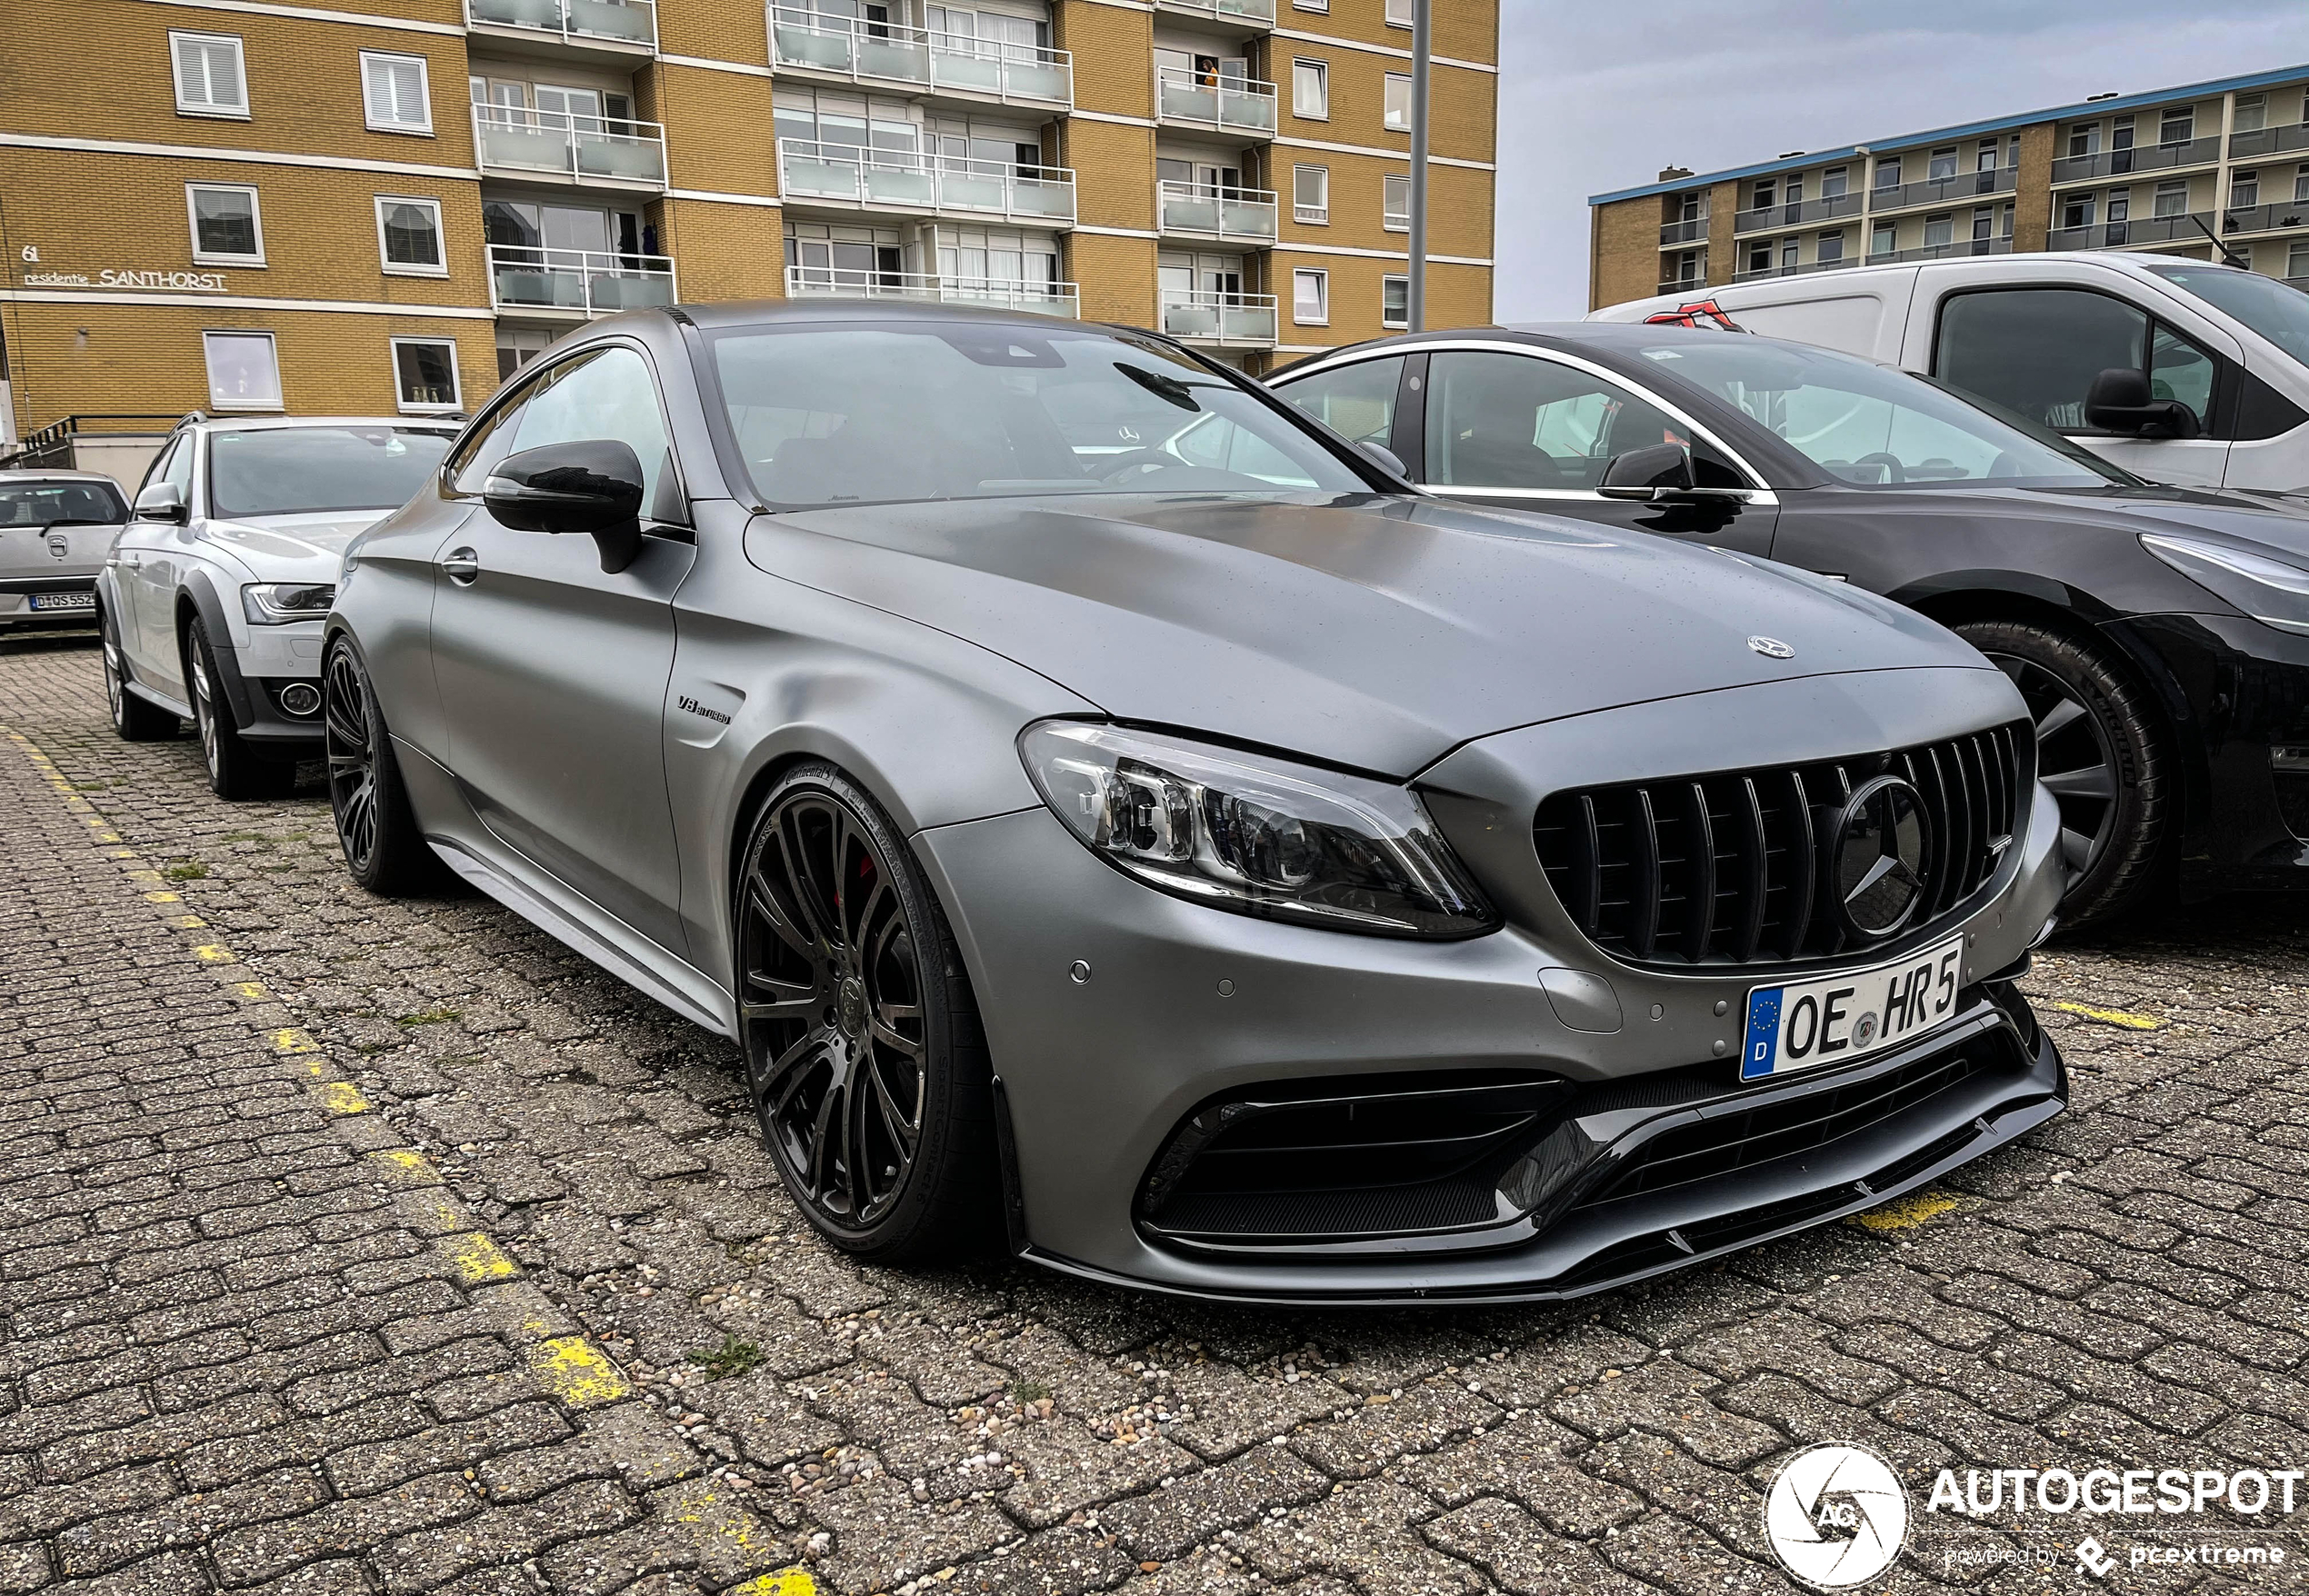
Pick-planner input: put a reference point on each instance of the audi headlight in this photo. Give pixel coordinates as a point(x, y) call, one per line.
point(2269, 591)
point(1256, 836)
point(276, 604)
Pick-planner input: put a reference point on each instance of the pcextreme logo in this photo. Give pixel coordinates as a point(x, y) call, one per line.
point(1835, 1516)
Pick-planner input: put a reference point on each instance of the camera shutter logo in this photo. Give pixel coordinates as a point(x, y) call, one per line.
point(1836, 1516)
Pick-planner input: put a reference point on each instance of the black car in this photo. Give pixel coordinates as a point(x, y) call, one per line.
point(2160, 635)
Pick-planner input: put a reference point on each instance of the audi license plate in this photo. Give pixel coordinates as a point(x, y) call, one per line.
point(1851, 1013)
point(64, 601)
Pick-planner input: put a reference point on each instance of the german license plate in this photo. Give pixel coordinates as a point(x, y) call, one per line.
point(64, 601)
point(1851, 1013)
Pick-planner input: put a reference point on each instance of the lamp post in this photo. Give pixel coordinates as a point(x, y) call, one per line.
point(1415, 294)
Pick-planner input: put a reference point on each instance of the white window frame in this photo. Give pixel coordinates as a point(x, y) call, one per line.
point(1388, 218)
point(280, 400)
point(1311, 215)
point(456, 379)
point(425, 95)
point(440, 235)
point(1385, 91)
point(202, 257)
point(177, 39)
point(1321, 5)
point(1383, 282)
point(1322, 71)
point(1321, 281)
point(1398, 12)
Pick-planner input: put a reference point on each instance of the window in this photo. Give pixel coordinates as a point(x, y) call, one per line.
point(1311, 298)
point(1395, 302)
point(1514, 421)
point(1310, 193)
point(2177, 127)
point(1311, 90)
point(1888, 173)
point(1939, 231)
point(2037, 351)
point(1788, 254)
point(2120, 138)
point(244, 370)
point(1395, 201)
point(2301, 184)
point(396, 92)
point(424, 374)
point(1760, 256)
point(1831, 246)
point(316, 470)
point(2120, 206)
point(1311, 5)
point(2297, 263)
point(600, 394)
point(1767, 194)
point(1692, 206)
point(1397, 114)
point(1835, 182)
point(1941, 164)
point(2252, 113)
point(1984, 224)
point(2079, 209)
point(1399, 13)
point(409, 236)
point(2085, 139)
point(2172, 197)
point(1357, 400)
point(1882, 237)
point(2244, 189)
point(1984, 158)
point(1689, 266)
point(226, 231)
point(210, 77)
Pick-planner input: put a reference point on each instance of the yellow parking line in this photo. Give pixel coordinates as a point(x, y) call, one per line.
point(2116, 1017)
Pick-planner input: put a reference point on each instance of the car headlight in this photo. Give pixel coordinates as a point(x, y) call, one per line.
point(1256, 836)
point(275, 603)
point(2269, 591)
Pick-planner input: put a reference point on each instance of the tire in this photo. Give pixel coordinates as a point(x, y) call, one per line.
point(136, 720)
point(384, 849)
point(236, 771)
point(2101, 750)
point(843, 1069)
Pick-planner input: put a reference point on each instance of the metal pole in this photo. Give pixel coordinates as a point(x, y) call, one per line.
point(1416, 307)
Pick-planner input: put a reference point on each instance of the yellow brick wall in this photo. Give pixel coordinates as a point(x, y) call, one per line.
point(1113, 56)
point(2033, 198)
point(1459, 205)
point(1463, 30)
point(1114, 174)
point(1116, 275)
point(724, 251)
point(1461, 121)
point(717, 128)
point(1457, 297)
point(1623, 260)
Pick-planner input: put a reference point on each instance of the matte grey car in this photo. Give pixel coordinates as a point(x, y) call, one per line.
point(1123, 819)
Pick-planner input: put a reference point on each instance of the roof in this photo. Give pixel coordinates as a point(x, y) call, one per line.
point(835, 308)
point(1965, 130)
point(44, 474)
point(241, 424)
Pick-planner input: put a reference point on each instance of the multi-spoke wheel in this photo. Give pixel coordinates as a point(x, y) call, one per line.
point(2098, 751)
point(235, 770)
point(133, 718)
point(862, 1042)
point(384, 849)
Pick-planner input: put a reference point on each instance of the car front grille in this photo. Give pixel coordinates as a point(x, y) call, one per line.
point(1728, 868)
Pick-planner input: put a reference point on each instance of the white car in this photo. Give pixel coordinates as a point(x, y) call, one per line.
point(54, 527)
point(211, 602)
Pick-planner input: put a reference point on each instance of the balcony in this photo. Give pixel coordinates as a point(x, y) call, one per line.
point(1244, 108)
point(1249, 17)
point(625, 27)
point(1953, 250)
point(2141, 230)
point(878, 55)
point(1054, 299)
point(851, 178)
point(2197, 152)
point(575, 149)
point(1943, 191)
point(2269, 141)
point(1802, 214)
point(1684, 284)
point(571, 284)
point(2265, 218)
point(1232, 215)
point(1803, 268)
point(1232, 321)
point(1689, 232)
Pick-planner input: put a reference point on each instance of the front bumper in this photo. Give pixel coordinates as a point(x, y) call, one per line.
point(1183, 1005)
point(264, 663)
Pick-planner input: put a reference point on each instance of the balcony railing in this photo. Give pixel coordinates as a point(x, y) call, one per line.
point(918, 181)
point(2300, 283)
point(1241, 13)
point(1242, 320)
point(2135, 230)
point(617, 22)
point(2269, 141)
point(1056, 299)
point(1757, 273)
point(1206, 211)
point(524, 276)
point(2265, 218)
point(1683, 232)
point(1240, 104)
point(882, 53)
point(1941, 251)
point(1684, 284)
point(1943, 191)
point(1801, 214)
point(2195, 151)
point(585, 149)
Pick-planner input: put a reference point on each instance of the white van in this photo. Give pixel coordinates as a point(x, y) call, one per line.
point(2178, 371)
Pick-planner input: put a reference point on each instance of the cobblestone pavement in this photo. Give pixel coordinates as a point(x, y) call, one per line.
point(351, 1246)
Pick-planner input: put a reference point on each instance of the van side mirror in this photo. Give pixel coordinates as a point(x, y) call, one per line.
point(1663, 471)
point(592, 486)
point(2121, 401)
point(163, 501)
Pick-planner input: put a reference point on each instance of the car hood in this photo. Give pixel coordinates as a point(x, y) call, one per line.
point(1370, 631)
point(2278, 523)
point(293, 548)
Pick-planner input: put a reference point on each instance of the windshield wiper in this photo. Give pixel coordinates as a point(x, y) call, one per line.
point(1169, 390)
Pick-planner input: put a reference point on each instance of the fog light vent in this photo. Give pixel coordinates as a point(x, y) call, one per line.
point(301, 699)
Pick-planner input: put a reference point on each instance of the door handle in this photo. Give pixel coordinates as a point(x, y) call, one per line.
point(462, 566)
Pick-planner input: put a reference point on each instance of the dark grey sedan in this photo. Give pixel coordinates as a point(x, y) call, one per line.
point(1123, 821)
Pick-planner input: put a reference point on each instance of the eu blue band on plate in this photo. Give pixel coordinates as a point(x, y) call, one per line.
point(1763, 1033)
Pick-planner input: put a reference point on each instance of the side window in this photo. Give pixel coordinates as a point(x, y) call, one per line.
point(2037, 350)
point(602, 393)
point(492, 441)
point(162, 462)
point(1514, 421)
point(1358, 400)
point(179, 469)
point(2179, 370)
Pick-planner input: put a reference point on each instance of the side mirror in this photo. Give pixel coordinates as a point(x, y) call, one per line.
point(593, 487)
point(2121, 401)
point(1663, 471)
point(163, 501)
point(1385, 457)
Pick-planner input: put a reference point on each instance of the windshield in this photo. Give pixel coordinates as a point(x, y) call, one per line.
point(1871, 426)
point(971, 410)
point(2279, 313)
point(313, 470)
point(60, 504)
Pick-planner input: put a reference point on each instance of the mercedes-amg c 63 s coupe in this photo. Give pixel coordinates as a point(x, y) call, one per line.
point(1120, 817)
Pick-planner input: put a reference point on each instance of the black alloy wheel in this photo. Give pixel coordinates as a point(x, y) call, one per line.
point(384, 851)
point(866, 1065)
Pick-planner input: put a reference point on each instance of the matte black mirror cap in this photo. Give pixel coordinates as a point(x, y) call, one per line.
point(591, 487)
point(1660, 471)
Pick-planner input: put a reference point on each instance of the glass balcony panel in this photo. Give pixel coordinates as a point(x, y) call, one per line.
point(971, 191)
point(800, 45)
point(524, 145)
point(1043, 197)
point(621, 291)
point(1039, 80)
point(632, 158)
point(1061, 299)
point(802, 170)
point(542, 14)
point(1244, 108)
point(535, 287)
point(965, 65)
point(534, 277)
point(1245, 218)
point(1188, 101)
point(604, 19)
point(1247, 323)
point(1187, 319)
point(1191, 211)
point(896, 60)
point(1248, 10)
point(902, 185)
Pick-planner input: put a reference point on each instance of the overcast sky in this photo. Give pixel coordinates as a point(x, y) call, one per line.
point(1595, 97)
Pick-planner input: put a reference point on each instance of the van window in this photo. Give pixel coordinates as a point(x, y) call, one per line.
point(2037, 350)
point(2278, 312)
